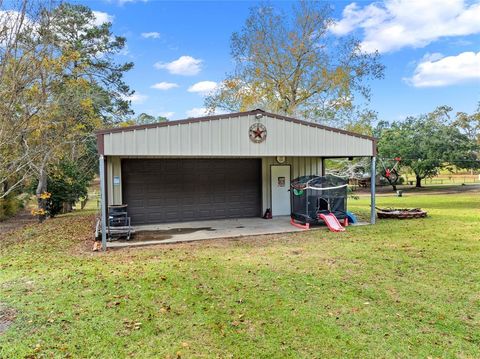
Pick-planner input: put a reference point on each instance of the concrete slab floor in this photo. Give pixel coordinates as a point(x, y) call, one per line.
point(204, 230)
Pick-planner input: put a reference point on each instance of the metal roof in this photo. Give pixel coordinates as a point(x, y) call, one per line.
point(206, 136)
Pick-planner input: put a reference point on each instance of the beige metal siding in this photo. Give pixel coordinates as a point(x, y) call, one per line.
point(229, 138)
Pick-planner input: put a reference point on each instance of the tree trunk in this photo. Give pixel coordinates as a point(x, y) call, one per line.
point(67, 207)
point(419, 181)
point(41, 188)
point(83, 203)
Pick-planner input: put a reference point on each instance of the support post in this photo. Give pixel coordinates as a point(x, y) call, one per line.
point(373, 176)
point(103, 204)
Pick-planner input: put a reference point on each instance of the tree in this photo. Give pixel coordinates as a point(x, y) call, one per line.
point(427, 143)
point(143, 119)
point(393, 176)
point(469, 124)
point(60, 82)
point(86, 89)
point(292, 65)
point(362, 123)
point(72, 30)
point(20, 69)
point(67, 183)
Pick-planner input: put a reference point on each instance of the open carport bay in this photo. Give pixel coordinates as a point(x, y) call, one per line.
point(169, 233)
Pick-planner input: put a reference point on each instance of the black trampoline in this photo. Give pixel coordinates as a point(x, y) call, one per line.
point(315, 197)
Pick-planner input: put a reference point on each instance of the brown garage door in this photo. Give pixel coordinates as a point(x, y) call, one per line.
point(175, 190)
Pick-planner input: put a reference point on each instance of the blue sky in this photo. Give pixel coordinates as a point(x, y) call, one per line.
point(431, 50)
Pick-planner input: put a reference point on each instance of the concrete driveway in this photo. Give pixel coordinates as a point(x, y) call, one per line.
point(204, 230)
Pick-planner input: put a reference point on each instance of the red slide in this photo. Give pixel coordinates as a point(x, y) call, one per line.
point(332, 222)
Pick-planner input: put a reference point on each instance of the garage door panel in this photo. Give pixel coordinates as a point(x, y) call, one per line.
point(188, 205)
point(188, 213)
point(219, 198)
point(155, 212)
point(204, 214)
point(220, 213)
point(235, 212)
point(161, 190)
point(169, 216)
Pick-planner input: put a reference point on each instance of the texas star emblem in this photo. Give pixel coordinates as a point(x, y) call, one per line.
point(257, 132)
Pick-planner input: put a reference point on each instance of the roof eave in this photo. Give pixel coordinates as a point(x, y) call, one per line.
point(232, 115)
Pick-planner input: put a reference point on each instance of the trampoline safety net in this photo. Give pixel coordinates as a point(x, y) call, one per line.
point(311, 195)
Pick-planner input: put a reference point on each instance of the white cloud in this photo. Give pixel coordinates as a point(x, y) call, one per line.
point(136, 98)
point(393, 24)
point(168, 115)
point(164, 85)
point(151, 35)
point(197, 112)
point(102, 17)
point(432, 57)
point(203, 87)
point(202, 111)
point(461, 42)
point(184, 65)
point(450, 70)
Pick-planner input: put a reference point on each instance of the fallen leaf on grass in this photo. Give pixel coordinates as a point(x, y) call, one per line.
point(130, 324)
point(112, 304)
point(165, 309)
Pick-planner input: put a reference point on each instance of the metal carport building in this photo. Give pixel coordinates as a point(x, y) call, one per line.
point(223, 166)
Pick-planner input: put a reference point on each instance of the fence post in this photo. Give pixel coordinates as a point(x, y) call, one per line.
point(373, 176)
point(103, 204)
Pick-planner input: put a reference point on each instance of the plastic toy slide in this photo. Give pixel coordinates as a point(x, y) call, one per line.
point(332, 222)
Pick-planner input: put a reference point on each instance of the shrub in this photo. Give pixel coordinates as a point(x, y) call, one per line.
point(67, 183)
point(9, 207)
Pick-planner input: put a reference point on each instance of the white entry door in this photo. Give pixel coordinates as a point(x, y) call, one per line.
point(280, 177)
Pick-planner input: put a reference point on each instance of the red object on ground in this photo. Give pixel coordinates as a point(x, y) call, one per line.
point(332, 222)
point(268, 214)
point(302, 226)
point(345, 222)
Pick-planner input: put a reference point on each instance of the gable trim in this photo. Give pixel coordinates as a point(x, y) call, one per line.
point(234, 115)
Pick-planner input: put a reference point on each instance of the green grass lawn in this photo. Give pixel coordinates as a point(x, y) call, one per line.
point(397, 289)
